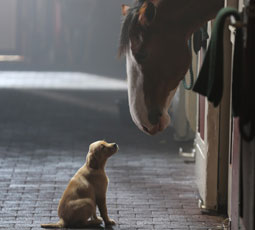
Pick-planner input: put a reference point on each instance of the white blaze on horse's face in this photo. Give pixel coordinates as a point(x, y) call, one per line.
point(138, 109)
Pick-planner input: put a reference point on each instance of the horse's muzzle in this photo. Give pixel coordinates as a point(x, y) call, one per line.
point(154, 116)
point(161, 122)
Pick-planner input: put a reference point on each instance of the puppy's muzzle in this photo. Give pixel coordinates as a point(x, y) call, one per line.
point(115, 147)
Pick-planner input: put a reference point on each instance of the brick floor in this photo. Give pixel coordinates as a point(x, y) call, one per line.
point(44, 137)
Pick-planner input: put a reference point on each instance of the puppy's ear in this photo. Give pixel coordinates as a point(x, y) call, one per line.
point(92, 161)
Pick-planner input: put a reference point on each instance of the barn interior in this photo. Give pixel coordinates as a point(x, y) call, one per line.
point(62, 87)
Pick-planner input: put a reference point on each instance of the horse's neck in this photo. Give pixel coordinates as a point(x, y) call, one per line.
point(189, 14)
point(193, 5)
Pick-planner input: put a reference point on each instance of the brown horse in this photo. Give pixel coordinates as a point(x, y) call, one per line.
point(154, 39)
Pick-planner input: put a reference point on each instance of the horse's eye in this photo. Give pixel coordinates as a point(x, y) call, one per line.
point(140, 56)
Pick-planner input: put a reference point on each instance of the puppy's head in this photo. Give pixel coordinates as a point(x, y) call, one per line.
point(99, 152)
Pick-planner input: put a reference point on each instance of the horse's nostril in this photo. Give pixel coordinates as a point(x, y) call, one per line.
point(145, 129)
point(154, 117)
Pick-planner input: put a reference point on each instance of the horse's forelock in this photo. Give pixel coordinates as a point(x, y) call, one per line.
point(130, 20)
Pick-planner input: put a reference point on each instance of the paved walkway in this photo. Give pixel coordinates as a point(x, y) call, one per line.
point(44, 138)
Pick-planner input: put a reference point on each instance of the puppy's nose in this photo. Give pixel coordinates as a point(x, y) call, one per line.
point(115, 146)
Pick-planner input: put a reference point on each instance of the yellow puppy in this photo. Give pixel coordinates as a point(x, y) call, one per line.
point(87, 188)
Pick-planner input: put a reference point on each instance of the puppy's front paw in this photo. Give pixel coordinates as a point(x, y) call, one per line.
point(98, 220)
point(110, 222)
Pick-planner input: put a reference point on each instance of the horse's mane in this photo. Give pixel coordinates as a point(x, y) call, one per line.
point(128, 23)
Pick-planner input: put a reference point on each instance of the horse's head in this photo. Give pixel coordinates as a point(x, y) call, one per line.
point(157, 60)
point(154, 40)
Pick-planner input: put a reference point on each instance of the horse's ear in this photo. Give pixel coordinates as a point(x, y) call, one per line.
point(125, 9)
point(147, 13)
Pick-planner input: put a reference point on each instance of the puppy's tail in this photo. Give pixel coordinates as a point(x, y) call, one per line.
point(59, 224)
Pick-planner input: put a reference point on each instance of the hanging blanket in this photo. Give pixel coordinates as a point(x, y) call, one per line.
point(210, 78)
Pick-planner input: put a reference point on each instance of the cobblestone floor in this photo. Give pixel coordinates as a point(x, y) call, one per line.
point(44, 138)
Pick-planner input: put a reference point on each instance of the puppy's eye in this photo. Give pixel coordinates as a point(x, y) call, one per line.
point(102, 147)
